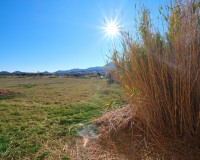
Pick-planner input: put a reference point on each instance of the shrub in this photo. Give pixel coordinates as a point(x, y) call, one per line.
point(161, 75)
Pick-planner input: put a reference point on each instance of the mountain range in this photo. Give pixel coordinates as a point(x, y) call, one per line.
point(71, 71)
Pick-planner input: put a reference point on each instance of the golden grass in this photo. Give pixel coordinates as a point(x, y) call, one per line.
point(39, 120)
point(161, 77)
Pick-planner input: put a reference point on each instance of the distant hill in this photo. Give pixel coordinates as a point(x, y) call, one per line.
point(91, 70)
point(4, 73)
point(18, 73)
point(88, 70)
point(82, 71)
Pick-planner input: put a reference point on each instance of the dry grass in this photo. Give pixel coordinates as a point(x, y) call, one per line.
point(4, 92)
point(107, 145)
point(39, 116)
point(161, 76)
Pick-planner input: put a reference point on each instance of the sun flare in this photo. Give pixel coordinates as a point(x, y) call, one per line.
point(112, 29)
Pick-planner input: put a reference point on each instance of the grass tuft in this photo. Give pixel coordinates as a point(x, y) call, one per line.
point(160, 74)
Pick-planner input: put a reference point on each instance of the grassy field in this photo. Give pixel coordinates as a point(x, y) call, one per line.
point(39, 116)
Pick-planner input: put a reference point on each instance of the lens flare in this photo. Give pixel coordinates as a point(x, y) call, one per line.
point(112, 29)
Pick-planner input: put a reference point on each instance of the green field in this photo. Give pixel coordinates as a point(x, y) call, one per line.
point(39, 116)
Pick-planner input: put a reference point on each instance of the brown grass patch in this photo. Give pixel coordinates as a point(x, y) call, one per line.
point(6, 92)
point(160, 74)
point(123, 136)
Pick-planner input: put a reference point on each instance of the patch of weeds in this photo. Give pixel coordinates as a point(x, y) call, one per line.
point(1, 129)
point(105, 91)
point(15, 113)
point(26, 86)
point(3, 108)
point(70, 112)
point(32, 147)
point(20, 135)
point(44, 155)
point(22, 128)
point(56, 111)
point(19, 148)
point(44, 137)
point(65, 158)
point(6, 94)
point(13, 129)
point(70, 121)
point(42, 131)
point(15, 144)
point(64, 112)
point(4, 97)
point(63, 133)
point(79, 113)
point(74, 110)
point(85, 107)
point(92, 113)
point(14, 154)
point(4, 143)
point(38, 130)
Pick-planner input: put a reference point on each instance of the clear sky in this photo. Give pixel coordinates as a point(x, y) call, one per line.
point(50, 35)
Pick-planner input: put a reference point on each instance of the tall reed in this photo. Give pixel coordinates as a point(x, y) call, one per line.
point(161, 75)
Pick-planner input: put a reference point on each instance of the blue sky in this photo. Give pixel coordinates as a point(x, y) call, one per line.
point(50, 35)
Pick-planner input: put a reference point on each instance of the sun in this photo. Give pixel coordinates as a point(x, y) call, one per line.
point(112, 29)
